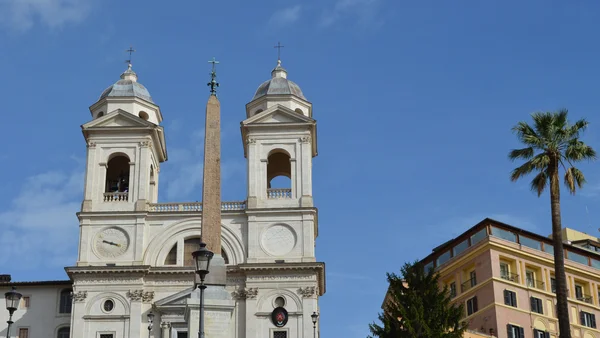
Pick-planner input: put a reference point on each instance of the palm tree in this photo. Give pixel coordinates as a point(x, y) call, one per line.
point(553, 144)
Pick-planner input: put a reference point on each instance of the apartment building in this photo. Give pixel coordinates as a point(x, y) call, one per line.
point(504, 276)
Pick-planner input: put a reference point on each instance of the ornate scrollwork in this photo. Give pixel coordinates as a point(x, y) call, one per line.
point(250, 140)
point(243, 293)
point(79, 296)
point(308, 291)
point(140, 295)
point(305, 139)
point(144, 144)
point(91, 144)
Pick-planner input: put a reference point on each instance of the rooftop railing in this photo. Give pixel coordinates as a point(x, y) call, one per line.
point(194, 206)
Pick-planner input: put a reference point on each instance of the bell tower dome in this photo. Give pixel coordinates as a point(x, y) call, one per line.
point(131, 96)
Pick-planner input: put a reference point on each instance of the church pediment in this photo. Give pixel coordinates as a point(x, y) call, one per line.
point(277, 114)
point(118, 118)
point(178, 299)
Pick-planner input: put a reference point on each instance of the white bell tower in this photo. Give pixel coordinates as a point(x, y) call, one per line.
point(280, 142)
point(125, 145)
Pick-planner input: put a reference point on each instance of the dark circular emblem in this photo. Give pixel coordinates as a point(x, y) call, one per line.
point(279, 317)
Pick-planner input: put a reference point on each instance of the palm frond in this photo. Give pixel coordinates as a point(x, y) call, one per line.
point(574, 178)
point(528, 135)
point(525, 153)
point(539, 182)
point(578, 151)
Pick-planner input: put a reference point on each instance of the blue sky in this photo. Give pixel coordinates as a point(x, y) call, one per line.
point(414, 102)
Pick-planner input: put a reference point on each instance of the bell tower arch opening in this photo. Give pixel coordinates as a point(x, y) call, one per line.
point(279, 174)
point(117, 178)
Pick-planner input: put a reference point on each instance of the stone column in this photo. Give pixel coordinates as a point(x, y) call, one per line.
point(165, 329)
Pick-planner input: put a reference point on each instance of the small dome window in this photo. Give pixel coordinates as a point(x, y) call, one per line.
point(100, 114)
point(144, 115)
point(108, 305)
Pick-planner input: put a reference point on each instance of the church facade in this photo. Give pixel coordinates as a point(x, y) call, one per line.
point(134, 255)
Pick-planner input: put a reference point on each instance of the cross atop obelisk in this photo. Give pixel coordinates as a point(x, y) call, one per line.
point(211, 182)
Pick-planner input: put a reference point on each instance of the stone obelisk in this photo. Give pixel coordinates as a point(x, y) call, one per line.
point(211, 184)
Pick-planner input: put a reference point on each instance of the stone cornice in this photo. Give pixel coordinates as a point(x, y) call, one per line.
point(139, 270)
point(252, 268)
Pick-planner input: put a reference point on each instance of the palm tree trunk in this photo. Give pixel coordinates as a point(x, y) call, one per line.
point(559, 254)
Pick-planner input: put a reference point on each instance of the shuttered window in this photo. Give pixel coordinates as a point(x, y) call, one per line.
point(510, 298)
point(587, 319)
point(514, 331)
point(540, 334)
point(472, 306)
point(536, 305)
point(23, 333)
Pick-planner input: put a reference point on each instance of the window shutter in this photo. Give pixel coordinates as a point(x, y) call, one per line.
point(533, 307)
point(521, 333)
point(593, 317)
point(581, 317)
point(536, 333)
point(506, 297)
point(509, 330)
point(475, 308)
point(513, 298)
point(546, 334)
point(540, 306)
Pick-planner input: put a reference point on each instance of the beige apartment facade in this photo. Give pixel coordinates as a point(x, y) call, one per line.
point(504, 276)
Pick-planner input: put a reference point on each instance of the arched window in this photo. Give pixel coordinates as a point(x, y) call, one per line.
point(172, 256)
point(258, 111)
point(279, 175)
point(190, 245)
point(63, 332)
point(299, 111)
point(143, 115)
point(100, 114)
point(65, 301)
point(117, 179)
point(152, 194)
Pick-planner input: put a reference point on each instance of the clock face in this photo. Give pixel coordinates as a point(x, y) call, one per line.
point(111, 242)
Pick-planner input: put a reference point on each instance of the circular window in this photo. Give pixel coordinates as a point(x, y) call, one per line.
point(279, 302)
point(109, 305)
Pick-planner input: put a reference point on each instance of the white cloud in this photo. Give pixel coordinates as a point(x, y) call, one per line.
point(22, 15)
point(286, 16)
point(40, 229)
point(364, 12)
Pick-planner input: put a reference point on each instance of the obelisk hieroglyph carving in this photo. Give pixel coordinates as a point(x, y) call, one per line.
point(211, 184)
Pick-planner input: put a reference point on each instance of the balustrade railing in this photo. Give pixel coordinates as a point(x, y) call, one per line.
point(115, 196)
point(194, 206)
point(279, 193)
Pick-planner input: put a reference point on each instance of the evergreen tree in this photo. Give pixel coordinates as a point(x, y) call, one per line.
point(416, 307)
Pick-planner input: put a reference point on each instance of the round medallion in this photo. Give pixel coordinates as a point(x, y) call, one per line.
point(111, 242)
point(279, 316)
point(278, 240)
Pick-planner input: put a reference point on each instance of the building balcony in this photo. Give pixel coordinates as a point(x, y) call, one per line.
point(512, 277)
point(116, 196)
point(585, 299)
point(536, 284)
point(468, 284)
point(279, 193)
